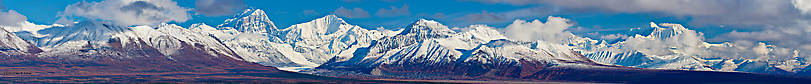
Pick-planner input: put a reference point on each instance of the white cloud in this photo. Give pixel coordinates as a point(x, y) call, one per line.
point(691, 43)
point(803, 5)
point(351, 13)
point(128, 12)
point(394, 11)
point(793, 36)
point(688, 42)
point(784, 23)
point(750, 50)
point(554, 30)
point(11, 18)
point(613, 37)
point(218, 7)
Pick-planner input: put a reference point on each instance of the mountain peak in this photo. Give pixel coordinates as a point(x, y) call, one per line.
point(653, 25)
point(257, 11)
point(332, 18)
point(484, 32)
point(430, 24)
point(325, 25)
point(426, 21)
point(676, 27)
point(250, 21)
point(667, 30)
point(427, 26)
point(200, 27)
point(251, 12)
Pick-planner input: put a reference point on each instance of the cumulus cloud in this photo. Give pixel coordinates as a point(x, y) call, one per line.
point(784, 23)
point(394, 11)
point(554, 30)
point(613, 37)
point(352, 13)
point(10, 17)
point(128, 12)
point(803, 5)
point(688, 42)
point(793, 36)
point(218, 7)
point(691, 43)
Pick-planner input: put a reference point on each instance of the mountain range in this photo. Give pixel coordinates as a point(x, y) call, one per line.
point(249, 43)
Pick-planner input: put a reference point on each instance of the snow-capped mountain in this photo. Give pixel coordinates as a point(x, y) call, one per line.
point(409, 36)
point(101, 49)
point(426, 49)
point(628, 53)
point(11, 44)
point(99, 41)
point(104, 48)
point(677, 47)
point(300, 46)
point(250, 21)
point(247, 34)
point(430, 48)
point(170, 39)
point(89, 37)
point(323, 38)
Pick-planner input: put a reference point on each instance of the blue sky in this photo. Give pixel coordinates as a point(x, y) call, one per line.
point(716, 19)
